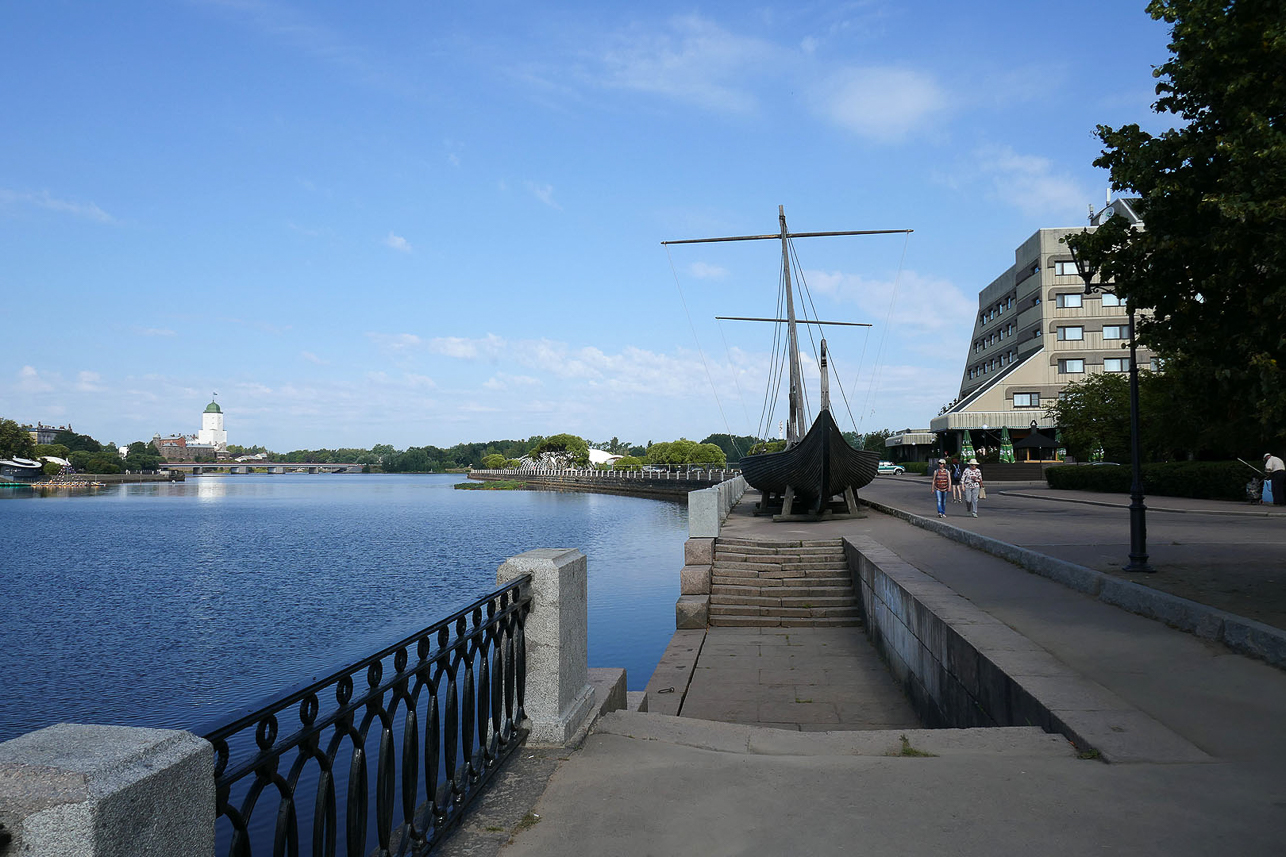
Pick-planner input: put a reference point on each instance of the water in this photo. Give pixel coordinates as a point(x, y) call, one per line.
point(175, 605)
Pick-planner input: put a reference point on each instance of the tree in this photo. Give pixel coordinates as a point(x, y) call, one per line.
point(873, 441)
point(733, 446)
point(1095, 413)
point(1210, 261)
point(571, 449)
point(74, 442)
point(143, 456)
point(15, 441)
point(495, 461)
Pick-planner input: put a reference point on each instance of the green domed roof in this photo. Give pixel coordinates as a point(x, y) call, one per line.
point(213, 408)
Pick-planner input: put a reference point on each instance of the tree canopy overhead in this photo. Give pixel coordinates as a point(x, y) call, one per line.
point(1211, 259)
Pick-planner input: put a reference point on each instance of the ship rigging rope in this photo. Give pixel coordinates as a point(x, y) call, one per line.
point(775, 366)
point(700, 351)
point(737, 384)
point(879, 352)
point(805, 291)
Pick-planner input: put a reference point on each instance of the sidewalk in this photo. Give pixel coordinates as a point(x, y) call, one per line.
point(1228, 555)
point(650, 784)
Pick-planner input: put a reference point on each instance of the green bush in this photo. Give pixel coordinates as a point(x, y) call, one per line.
point(920, 467)
point(1205, 480)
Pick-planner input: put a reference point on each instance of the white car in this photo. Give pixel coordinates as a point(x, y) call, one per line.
point(888, 467)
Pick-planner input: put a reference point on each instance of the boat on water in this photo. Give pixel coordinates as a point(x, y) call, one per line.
point(818, 473)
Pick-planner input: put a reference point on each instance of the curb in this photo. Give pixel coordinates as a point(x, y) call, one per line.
point(1242, 635)
point(1150, 508)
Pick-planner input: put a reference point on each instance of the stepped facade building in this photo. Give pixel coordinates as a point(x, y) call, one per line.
point(1036, 331)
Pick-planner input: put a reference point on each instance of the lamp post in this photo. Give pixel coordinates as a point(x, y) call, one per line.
point(1138, 512)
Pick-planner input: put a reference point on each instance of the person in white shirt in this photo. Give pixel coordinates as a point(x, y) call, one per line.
point(1276, 472)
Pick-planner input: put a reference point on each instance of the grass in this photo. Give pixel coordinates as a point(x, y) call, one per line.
point(908, 750)
point(1089, 755)
point(499, 485)
point(529, 821)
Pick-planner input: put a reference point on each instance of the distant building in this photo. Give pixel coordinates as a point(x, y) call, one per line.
point(210, 443)
point(41, 433)
point(212, 432)
point(1036, 331)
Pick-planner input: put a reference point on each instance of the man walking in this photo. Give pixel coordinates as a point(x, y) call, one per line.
point(971, 481)
point(941, 485)
point(1276, 472)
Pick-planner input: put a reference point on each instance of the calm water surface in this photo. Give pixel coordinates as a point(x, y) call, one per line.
point(175, 604)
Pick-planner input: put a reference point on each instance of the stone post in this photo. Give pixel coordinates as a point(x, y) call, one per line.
point(559, 696)
point(107, 791)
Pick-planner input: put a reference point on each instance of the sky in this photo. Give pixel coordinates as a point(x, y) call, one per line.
point(430, 223)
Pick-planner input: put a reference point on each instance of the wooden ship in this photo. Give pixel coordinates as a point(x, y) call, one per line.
point(818, 473)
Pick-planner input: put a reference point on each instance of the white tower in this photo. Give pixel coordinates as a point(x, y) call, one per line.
point(212, 427)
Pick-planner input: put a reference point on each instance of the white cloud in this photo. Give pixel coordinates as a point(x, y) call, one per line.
point(544, 193)
point(692, 59)
point(397, 242)
point(453, 159)
point(704, 271)
point(87, 210)
point(313, 358)
point(917, 301)
point(395, 343)
point(1030, 183)
point(89, 382)
point(882, 104)
point(30, 381)
point(456, 346)
point(154, 331)
point(503, 381)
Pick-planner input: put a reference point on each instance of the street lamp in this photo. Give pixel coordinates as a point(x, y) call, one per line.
point(1138, 512)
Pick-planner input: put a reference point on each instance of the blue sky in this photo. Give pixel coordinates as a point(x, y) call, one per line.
point(425, 223)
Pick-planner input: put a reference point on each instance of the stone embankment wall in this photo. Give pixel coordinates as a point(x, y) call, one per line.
point(961, 667)
point(707, 510)
point(674, 486)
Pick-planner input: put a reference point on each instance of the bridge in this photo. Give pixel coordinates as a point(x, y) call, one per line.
point(191, 468)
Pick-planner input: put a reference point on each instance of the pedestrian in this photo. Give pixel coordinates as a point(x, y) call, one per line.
point(956, 493)
point(971, 481)
point(1276, 473)
point(941, 485)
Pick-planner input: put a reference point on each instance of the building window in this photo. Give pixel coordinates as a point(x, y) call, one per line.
point(1110, 299)
point(1071, 334)
point(1069, 300)
point(1157, 364)
point(1036, 333)
point(1026, 400)
point(1116, 331)
point(1009, 302)
point(1071, 367)
point(1116, 364)
point(1065, 269)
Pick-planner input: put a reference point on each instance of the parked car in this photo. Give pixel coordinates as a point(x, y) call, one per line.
point(888, 467)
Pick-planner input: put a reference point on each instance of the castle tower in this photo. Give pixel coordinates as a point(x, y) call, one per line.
point(212, 427)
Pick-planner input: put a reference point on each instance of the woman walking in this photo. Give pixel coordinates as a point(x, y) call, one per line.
point(971, 481)
point(941, 485)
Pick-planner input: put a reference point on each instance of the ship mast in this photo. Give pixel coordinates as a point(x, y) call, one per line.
point(795, 428)
point(794, 425)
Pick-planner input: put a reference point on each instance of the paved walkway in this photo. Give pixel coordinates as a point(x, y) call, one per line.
point(1231, 556)
point(805, 679)
point(650, 784)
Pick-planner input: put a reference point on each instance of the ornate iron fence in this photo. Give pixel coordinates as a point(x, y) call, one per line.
point(457, 705)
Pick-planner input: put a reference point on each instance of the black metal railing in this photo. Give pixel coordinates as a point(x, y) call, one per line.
point(457, 705)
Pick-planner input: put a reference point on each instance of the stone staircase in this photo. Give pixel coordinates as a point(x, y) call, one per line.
point(787, 584)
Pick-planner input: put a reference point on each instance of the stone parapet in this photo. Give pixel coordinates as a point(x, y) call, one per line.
point(559, 697)
point(107, 791)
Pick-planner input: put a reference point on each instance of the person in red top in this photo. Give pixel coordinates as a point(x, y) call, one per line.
point(941, 485)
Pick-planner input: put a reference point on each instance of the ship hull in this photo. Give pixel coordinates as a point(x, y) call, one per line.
point(819, 467)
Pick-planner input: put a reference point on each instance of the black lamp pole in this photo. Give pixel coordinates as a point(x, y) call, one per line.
point(1138, 511)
